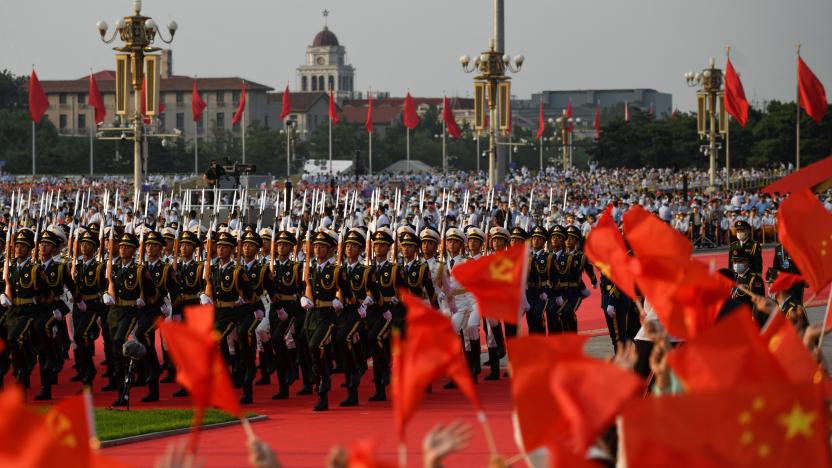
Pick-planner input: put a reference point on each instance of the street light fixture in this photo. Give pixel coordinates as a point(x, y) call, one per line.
point(709, 101)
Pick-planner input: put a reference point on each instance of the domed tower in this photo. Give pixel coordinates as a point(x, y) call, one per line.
point(326, 68)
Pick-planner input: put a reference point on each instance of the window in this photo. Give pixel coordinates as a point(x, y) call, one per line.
point(180, 98)
point(82, 121)
point(220, 119)
point(180, 120)
point(303, 84)
point(220, 97)
point(62, 98)
point(235, 97)
point(314, 84)
point(82, 98)
point(331, 82)
point(321, 83)
point(62, 121)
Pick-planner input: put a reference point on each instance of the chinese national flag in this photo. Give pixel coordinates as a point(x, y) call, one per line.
point(784, 282)
point(788, 349)
point(38, 103)
point(286, 108)
point(811, 92)
point(541, 124)
point(596, 124)
point(779, 424)
point(430, 350)
point(368, 124)
point(333, 110)
point(96, 101)
point(497, 281)
point(805, 229)
point(409, 116)
point(735, 102)
point(448, 118)
point(649, 236)
point(238, 116)
point(197, 104)
point(699, 296)
point(731, 353)
point(606, 249)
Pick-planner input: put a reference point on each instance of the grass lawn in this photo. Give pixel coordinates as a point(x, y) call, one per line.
point(115, 424)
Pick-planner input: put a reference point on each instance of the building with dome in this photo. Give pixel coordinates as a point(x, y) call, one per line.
point(326, 68)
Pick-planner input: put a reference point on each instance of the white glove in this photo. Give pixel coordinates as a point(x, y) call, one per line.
point(306, 303)
point(611, 311)
point(204, 299)
point(336, 304)
point(282, 315)
point(362, 311)
point(68, 296)
point(559, 301)
point(5, 301)
point(140, 302)
point(263, 331)
point(166, 309)
point(543, 296)
point(454, 309)
point(108, 300)
point(388, 316)
point(259, 314)
point(240, 301)
point(368, 301)
point(82, 306)
point(586, 292)
point(394, 300)
point(58, 315)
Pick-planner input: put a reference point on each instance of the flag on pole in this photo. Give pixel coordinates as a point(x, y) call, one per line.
point(596, 124)
point(410, 117)
point(804, 228)
point(287, 104)
point(238, 116)
point(197, 104)
point(497, 282)
point(333, 110)
point(541, 124)
point(448, 118)
point(368, 124)
point(96, 101)
point(38, 103)
point(735, 102)
point(568, 115)
point(811, 91)
point(606, 248)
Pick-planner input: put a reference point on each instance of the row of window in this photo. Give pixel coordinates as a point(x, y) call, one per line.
point(316, 83)
point(81, 98)
point(180, 121)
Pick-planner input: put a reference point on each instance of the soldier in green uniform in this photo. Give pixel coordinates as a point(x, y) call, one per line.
point(190, 278)
point(518, 236)
point(261, 283)
point(570, 267)
point(747, 281)
point(265, 358)
point(784, 262)
point(746, 245)
point(416, 272)
point(539, 287)
point(5, 361)
point(380, 316)
point(91, 284)
point(133, 287)
point(326, 281)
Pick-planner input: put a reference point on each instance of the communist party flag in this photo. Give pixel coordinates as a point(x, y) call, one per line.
point(805, 229)
point(448, 118)
point(286, 104)
point(368, 124)
point(430, 350)
point(333, 110)
point(784, 282)
point(788, 349)
point(735, 102)
point(810, 91)
point(197, 104)
point(73, 424)
point(541, 123)
point(409, 116)
point(238, 116)
point(606, 249)
point(497, 281)
point(38, 103)
point(96, 101)
point(775, 424)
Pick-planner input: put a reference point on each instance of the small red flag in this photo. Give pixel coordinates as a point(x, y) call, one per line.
point(96, 101)
point(287, 104)
point(568, 115)
point(805, 229)
point(38, 103)
point(784, 282)
point(735, 102)
point(606, 249)
point(541, 124)
point(238, 116)
point(333, 110)
point(788, 349)
point(368, 124)
point(197, 104)
point(497, 281)
point(448, 118)
point(73, 424)
point(410, 117)
point(810, 89)
point(596, 124)
point(651, 237)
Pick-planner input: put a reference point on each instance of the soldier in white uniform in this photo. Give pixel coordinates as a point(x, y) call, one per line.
point(467, 318)
point(438, 270)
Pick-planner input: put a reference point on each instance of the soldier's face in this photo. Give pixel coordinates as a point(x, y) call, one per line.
point(321, 251)
point(498, 243)
point(283, 249)
point(537, 242)
point(515, 241)
point(352, 251)
point(570, 242)
point(224, 251)
point(453, 246)
point(126, 252)
point(168, 244)
point(474, 245)
point(46, 251)
point(428, 248)
point(153, 250)
point(22, 251)
point(557, 242)
point(409, 251)
point(381, 250)
point(250, 250)
point(186, 249)
point(86, 249)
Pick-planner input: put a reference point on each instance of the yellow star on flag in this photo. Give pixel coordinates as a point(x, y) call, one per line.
point(797, 422)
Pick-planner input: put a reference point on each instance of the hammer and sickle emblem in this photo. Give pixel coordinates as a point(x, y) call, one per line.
point(502, 270)
point(604, 267)
point(60, 425)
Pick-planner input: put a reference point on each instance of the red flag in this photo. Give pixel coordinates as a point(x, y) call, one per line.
point(805, 229)
point(784, 282)
point(606, 249)
point(73, 424)
point(778, 424)
point(197, 104)
point(38, 103)
point(96, 101)
point(596, 124)
point(238, 116)
point(368, 124)
point(409, 116)
point(430, 350)
point(735, 102)
point(568, 115)
point(811, 92)
point(362, 454)
point(333, 110)
point(651, 237)
point(497, 281)
point(448, 118)
point(788, 349)
point(287, 104)
point(541, 124)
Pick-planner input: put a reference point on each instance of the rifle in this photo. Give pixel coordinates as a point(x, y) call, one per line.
point(508, 209)
point(111, 249)
point(101, 229)
point(274, 233)
point(531, 209)
point(306, 261)
point(141, 236)
point(9, 251)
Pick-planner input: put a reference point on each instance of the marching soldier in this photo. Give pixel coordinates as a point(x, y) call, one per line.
point(386, 313)
point(190, 279)
point(570, 267)
point(518, 236)
point(438, 270)
point(326, 281)
point(749, 283)
point(620, 313)
point(169, 235)
point(416, 272)
point(784, 262)
point(91, 284)
point(466, 320)
point(541, 269)
point(261, 283)
point(495, 340)
point(746, 245)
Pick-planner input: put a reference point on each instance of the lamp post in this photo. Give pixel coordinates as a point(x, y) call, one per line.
point(566, 124)
point(291, 133)
point(138, 33)
point(709, 101)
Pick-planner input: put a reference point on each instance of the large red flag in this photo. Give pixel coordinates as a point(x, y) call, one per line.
point(497, 281)
point(651, 237)
point(38, 103)
point(238, 116)
point(448, 118)
point(805, 229)
point(368, 124)
point(197, 104)
point(788, 349)
point(776, 424)
point(286, 104)
point(96, 101)
point(606, 249)
point(735, 102)
point(541, 124)
point(410, 117)
point(810, 89)
point(596, 124)
point(333, 110)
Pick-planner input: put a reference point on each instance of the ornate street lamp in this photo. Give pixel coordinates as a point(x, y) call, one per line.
point(709, 101)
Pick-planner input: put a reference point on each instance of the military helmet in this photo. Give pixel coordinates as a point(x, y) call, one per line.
point(573, 231)
point(558, 230)
point(356, 236)
point(188, 237)
point(498, 232)
point(429, 234)
point(519, 233)
point(742, 225)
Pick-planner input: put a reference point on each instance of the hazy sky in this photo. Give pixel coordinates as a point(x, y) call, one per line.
point(397, 45)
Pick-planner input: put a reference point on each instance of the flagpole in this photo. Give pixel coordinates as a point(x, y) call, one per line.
point(244, 135)
point(330, 146)
point(541, 156)
point(797, 105)
point(288, 147)
point(477, 137)
point(728, 152)
point(371, 153)
point(196, 146)
point(33, 147)
point(92, 130)
point(408, 150)
point(444, 148)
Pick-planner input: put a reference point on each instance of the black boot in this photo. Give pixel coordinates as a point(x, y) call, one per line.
point(494, 364)
point(248, 391)
point(89, 368)
point(323, 402)
point(265, 369)
point(112, 384)
point(305, 390)
point(153, 393)
point(353, 380)
point(80, 363)
point(180, 393)
point(282, 393)
point(380, 394)
point(45, 393)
